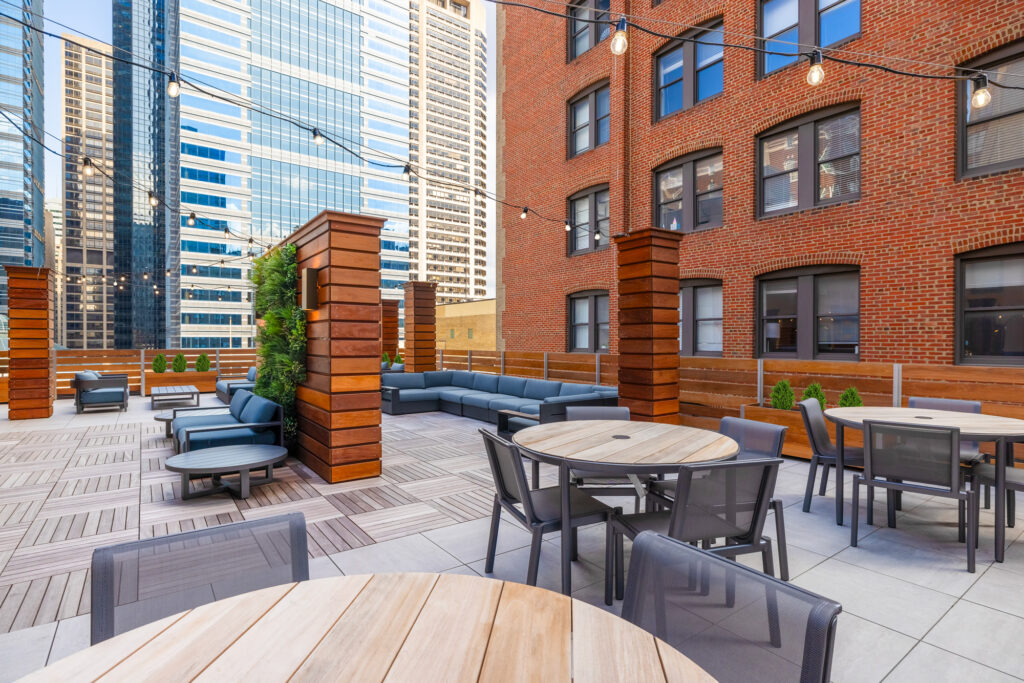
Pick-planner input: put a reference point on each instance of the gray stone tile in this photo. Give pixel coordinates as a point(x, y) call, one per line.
point(468, 541)
point(983, 635)
point(800, 560)
point(461, 569)
point(928, 664)
point(999, 589)
point(408, 554)
point(512, 566)
point(25, 651)
point(323, 567)
point(72, 635)
point(865, 651)
point(817, 530)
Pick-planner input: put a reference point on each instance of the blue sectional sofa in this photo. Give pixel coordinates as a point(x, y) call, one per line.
point(482, 396)
point(249, 419)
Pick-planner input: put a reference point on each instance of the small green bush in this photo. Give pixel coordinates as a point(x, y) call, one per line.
point(782, 395)
point(850, 398)
point(814, 391)
point(398, 358)
point(203, 363)
point(160, 363)
point(179, 364)
point(386, 358)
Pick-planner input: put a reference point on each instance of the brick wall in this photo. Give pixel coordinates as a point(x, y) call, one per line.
point(912, 217)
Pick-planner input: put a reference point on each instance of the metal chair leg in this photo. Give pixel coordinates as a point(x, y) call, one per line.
point(871, 504)
point(855, 513)
point(811, 473)
point(972, 528)
point(535, 471)
point(575, 544)
point(620, 570)
point(531, 572)
point(492, 539)
point(609, 562)
point(780, 540)
point(1011, 507)
point(824, 479)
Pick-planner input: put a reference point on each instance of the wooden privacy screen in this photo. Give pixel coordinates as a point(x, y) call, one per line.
point(339, 403)
point(389, 326)
point(420, 326)
point(32, 385)
point(648, 270)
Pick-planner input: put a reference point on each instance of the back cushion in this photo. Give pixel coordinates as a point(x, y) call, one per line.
point(484, 382)
point(606, 391)
point(251, 375)
point(437, 378)
point(574, 389)
point(398, 367)
point(461, 378)
point(238, 402)
point(86, 375)
point(513, 386)
point(258, 409)
point(539, 388)
point(402, 380)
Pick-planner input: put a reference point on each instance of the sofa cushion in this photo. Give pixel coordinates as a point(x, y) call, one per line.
point(412, 380)
point(461, 378)
point(437, 378)
point(180, 423)
point(511, 403)
point(86, 375)
point(531, 408)
point(418, 395)
point(242, 435)
point(222, 385)
point(105, 395)
point(513, 386)
point(573, 398)
point(540, 388)
point(569, 389)
point(251, 375)
point(488, 383)
point(517, 423)
point(384, 365)
point(481, 400)
point(258, 409)
point(238, 401)
point(454, 395)
point(397, 367)
point(606, 391)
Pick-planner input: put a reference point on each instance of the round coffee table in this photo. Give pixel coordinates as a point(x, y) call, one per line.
point(168, 417)
point(222, 460)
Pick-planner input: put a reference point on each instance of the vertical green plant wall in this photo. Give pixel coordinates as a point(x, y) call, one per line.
point(282, 334)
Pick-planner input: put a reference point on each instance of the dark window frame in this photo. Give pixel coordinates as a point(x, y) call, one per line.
point(589, 94)
point(991, 59)
point(808, 33)
point(687, 163)
point(807, 148)
point(593, 28)
point(1014, 249)
point(589, 193)
point(591, 295)
point(688, 326)
point(689, 70)
point(807, 343)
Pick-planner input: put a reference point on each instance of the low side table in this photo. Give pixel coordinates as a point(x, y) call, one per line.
point(173, 394)
point(222, 460)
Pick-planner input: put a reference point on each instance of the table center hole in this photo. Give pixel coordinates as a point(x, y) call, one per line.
point(620, 436)
point(923, 417)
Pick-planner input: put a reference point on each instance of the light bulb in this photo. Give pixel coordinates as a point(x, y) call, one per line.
point(981, 96)
point(620, 41)
point(167, 273)
point(153, 201)
point(194, 270)
point(568, 227)
point(156, 292)
point(526, 210)
point(191, 219)
point(406, 172)
point(597, 237)
point(317, 137)
point(173, 86)
point(87, 168)
point(145, 276)
point(816, 74)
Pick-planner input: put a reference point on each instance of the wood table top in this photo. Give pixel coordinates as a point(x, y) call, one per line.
point(178, 389)
point(625, 443)
point(395, 627)
point(970, 424)
point(225, 458)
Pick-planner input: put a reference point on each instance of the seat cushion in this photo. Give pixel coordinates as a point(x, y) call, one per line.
point(511, 403)
point(235, 387)
point(238, 401)
point(437, 378)
point(461, 378)
point(547, 504)
point(531, 408)
point(511, 386)
point(243, 435)
point(607, 391)
point(258, 409)
point(455, 395)
point(222, 385)
point(180, 423)
point(482, 400)
point(568, 389)
point(488, 383)
point(251, 375)
point(540, 389)
point(417, 395)
point(105, 395)
point(572, 398)
point(402, 380)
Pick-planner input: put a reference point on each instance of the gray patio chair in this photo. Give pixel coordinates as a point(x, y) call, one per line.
point(757, 441)
point(714, 500)
point(920, 459)
point(539, 510)
point(140, 582)
point(823, 451)
point(969, 453)
point(734, 622)
point(598, 483)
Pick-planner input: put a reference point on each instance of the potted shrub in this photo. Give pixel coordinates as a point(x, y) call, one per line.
point(179, 364)
point(814, 391)
point(781, 411)
point(850, 398)
point(203, 363)
point(202, 377)
point(160, 363)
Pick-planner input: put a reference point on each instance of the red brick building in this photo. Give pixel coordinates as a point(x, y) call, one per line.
point(873, 217)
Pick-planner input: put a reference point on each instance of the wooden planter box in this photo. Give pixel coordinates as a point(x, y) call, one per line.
point(796, 443)
point(205, 382)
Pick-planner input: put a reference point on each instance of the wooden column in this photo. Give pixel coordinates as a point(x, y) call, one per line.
point(339, 403)
point(420, 326)
point(648, 269)
point(32, 382)
point(389, 327)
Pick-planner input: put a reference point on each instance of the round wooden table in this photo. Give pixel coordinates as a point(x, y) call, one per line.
point(616, 447)
point(395, 627)
point(972, 426)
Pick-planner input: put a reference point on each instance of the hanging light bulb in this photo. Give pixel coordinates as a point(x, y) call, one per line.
point(153, 201)
point(156, 292)
point(250, 241)
point(145, 276)
point(620, 41)
point(816, 74)
point(981, 96)
point(227, 233)
point(69, 278)
point(194, 270)
point(318, 138)
point(406, 172)
point(597, 236)
point(568, 226)
point(167, 273)
point(191, 219)
point(219, 297)
point(526, 210)
point(87, 168)
point(120, 287)
point(173, 86)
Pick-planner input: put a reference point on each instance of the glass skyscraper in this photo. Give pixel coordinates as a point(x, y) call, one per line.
point(22, 225)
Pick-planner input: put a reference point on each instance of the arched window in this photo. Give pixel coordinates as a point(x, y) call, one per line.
point(588, 218)
point(688, 192)
point(811, 312)
point(588, 321)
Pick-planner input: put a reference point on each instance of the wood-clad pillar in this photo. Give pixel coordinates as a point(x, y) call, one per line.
point(33, 380)
point(389, 327)
point(648, 270)
point(339, 403)
point(420, 326)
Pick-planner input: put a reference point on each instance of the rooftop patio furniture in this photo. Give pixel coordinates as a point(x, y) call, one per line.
point(226, 387)
point(758, 441)
point(393, 367)
point(823, 453)
point(538, 509)
point(920, 459)
point(738, 624)
point(482, 396)
point(716, 500)
point(249, 419)
point(173, 394)
point(220, 460)
point(95, 390)
point(969, 452)
point(142, 581)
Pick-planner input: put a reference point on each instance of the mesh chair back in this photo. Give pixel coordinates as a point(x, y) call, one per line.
point(507, 469)
point(957, 405)
point(814, 423)
point(736, 623)
point(723, 499)
point(922, 454)
point(596, 413)
point(142, 581)
point(756, 439)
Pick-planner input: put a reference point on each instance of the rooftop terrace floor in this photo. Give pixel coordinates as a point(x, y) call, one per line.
point(72, 482)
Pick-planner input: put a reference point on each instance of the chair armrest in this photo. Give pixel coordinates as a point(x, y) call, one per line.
point(504, 415)
point(105, 382)
point(555, 412)
point(390, 393)
point(113, 374)
point(175, 411)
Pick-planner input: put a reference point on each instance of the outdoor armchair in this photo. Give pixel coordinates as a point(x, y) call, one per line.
point(226, 388)
point(249, 419)
point(823, 451)
point(95, 390)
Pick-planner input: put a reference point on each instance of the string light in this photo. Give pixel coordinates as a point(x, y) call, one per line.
point(153, 201)
point(191, 219)
point(167, 273)
point(568, 226)
point(816, 74)
point(87, 168)
point(981, 96)
point(406, 172)
point(526, 210)
point(145, 276)
point(620, 41)
point(194, 270)
point(318, 138)
point(173, 86)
